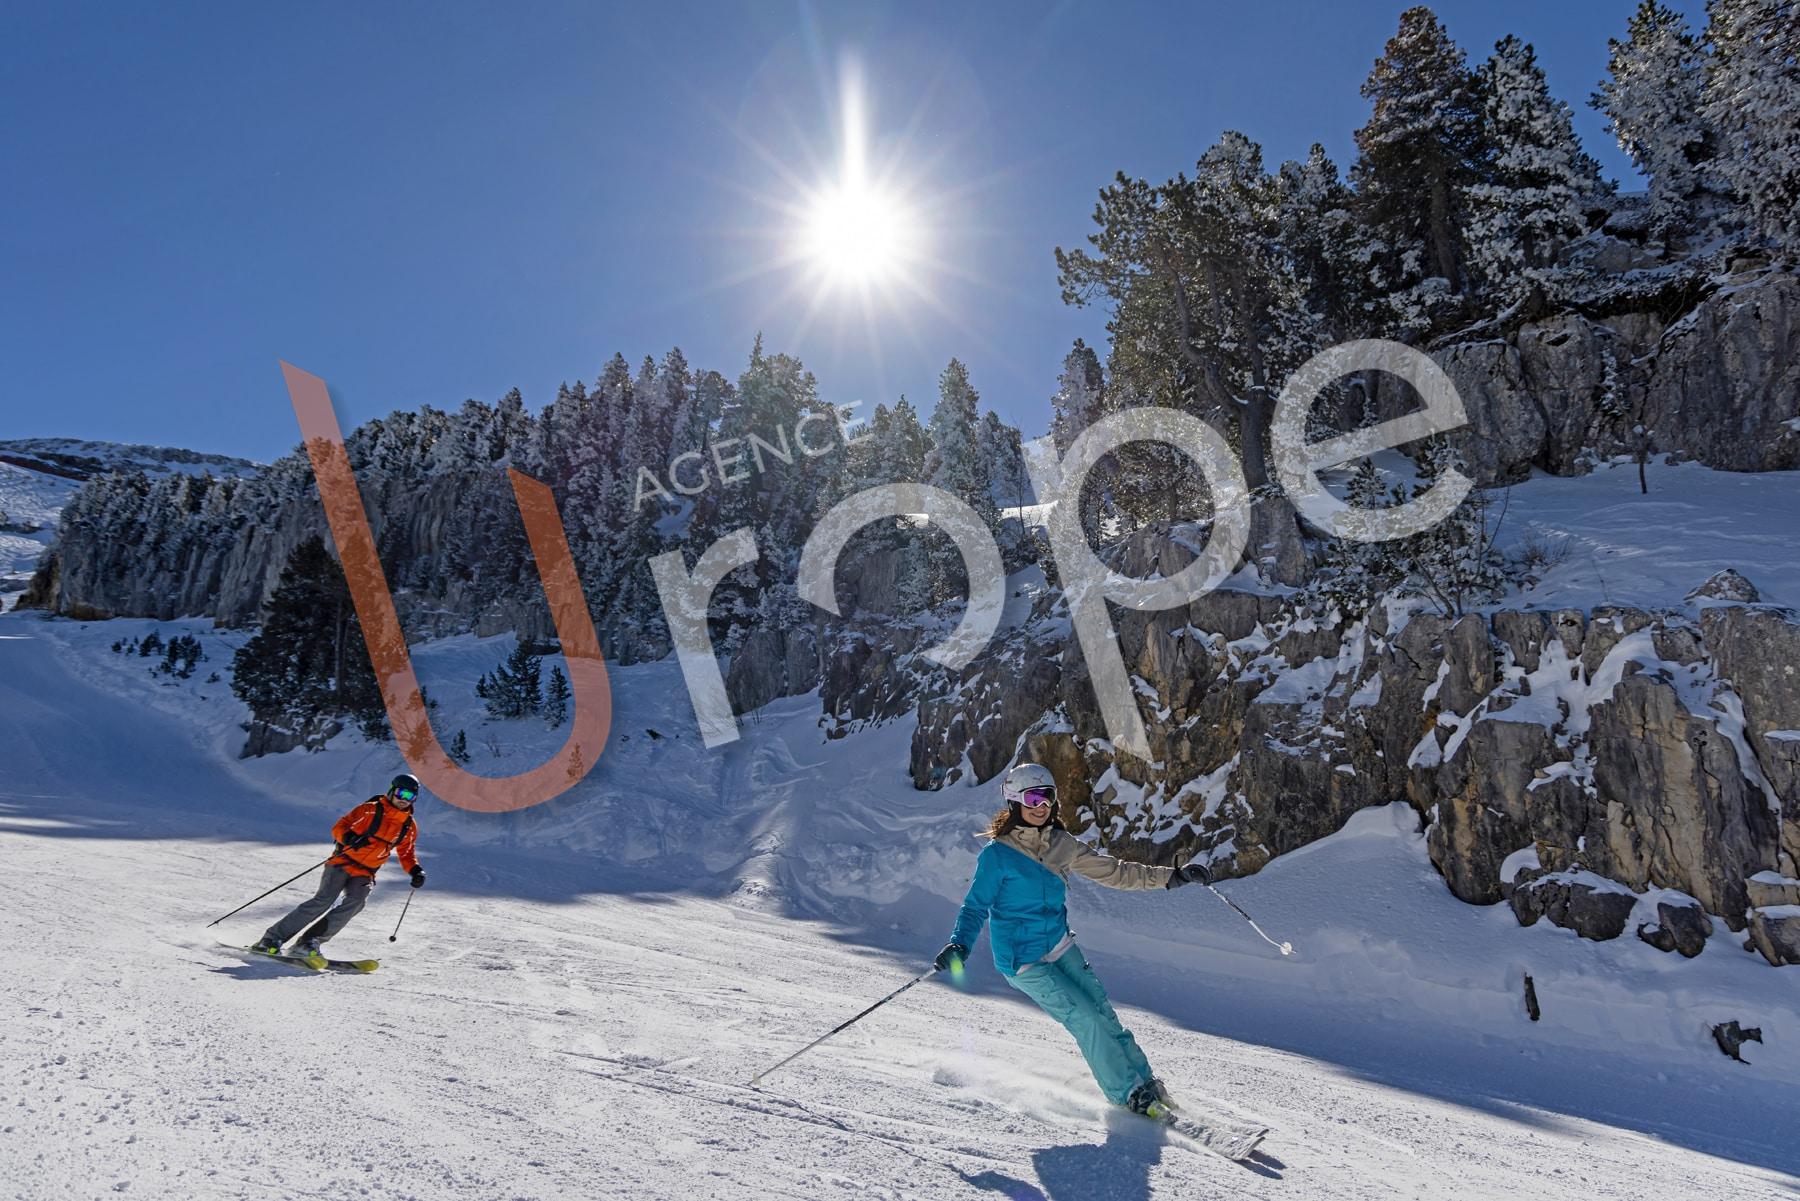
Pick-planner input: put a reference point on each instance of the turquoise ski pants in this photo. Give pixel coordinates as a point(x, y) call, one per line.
point(1069, 991)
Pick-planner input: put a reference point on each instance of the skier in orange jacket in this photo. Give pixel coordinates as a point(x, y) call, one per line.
point(365, 837)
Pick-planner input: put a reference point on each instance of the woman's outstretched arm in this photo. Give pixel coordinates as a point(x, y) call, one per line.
point(1068, 853)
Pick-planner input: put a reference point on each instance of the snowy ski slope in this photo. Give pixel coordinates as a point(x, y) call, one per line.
point(578, 996)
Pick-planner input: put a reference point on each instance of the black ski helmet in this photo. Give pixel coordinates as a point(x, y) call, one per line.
point(404, 780)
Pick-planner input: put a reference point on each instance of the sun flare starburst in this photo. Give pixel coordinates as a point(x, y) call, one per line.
point(857, 231)
point(855, 235)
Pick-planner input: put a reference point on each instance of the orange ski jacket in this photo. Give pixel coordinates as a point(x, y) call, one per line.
point(372, 831)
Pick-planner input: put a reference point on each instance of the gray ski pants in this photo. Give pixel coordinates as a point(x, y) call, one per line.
point(355, 890)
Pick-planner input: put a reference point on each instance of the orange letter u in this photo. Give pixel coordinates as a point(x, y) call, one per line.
point(406, 711)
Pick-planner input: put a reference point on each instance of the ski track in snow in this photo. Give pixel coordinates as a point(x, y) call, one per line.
point(554, 1023)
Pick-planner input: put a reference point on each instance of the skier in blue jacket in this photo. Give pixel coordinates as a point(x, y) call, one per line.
point(1019, 894)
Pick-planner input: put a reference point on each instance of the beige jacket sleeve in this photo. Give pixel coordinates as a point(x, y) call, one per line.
point(1067, 853)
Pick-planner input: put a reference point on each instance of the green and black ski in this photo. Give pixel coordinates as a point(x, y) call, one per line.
point(317, 963)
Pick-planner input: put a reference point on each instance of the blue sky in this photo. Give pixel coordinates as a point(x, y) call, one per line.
point(427, 203)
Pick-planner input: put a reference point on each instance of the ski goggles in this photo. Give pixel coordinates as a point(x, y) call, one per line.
point(404, 794)
point(1038, 798)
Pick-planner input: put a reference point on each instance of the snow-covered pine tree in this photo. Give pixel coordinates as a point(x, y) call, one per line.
point(1454, 564)
point(1079, 401)
point(713, 393)
point(1208, 314)
point(1231, 213)
point(1540, 182)
point(513, 690)
point(1328, 248)
point(1417, 156)
point(1652, 99)
point(774, 489)
point(956, 465)
point(556, 698)
point(510, 437)
point(459, 747)
point(1354, 574)
point(955, 462)
point(555, 427)
point(901, 452)
point(863, 456)
point(688, 421)
point(1002, 449)
point(892, 450)
point(468, 444)
point(1752, 98)
point(309, 661)
point(591, 509)
point(1080, 398)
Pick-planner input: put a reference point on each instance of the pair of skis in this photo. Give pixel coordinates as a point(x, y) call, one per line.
point(317, 963)
point(1235, 1141)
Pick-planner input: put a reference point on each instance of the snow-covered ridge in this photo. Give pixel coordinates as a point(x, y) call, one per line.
point(39, 475)
point(81, 459)
point(30, 503)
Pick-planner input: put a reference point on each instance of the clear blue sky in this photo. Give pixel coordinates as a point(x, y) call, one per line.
point(424, 203)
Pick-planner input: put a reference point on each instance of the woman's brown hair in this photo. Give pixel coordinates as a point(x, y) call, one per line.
point(1008, 820)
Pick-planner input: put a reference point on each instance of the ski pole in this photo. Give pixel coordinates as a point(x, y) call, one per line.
point(1286, 948)
point(845, 1026)
point(395, 936)
point(253, 900)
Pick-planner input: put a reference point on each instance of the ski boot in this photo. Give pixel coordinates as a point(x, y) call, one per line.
point(267, 946)
point(1147, 1099)
point(307, 951)
point(1162, 1095)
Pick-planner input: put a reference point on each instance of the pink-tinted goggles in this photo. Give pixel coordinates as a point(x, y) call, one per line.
point(1037, 798)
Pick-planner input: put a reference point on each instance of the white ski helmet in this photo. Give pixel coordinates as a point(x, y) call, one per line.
point(1026, 775)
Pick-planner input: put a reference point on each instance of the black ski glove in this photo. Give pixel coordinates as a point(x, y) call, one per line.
point(952, 953)
point(418, 877)
point(1193, 872)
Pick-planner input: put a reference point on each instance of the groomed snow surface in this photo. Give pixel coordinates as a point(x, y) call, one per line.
point(578, 997)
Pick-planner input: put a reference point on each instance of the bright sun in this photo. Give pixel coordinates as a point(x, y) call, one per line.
point(855, 235)
point(857, 232)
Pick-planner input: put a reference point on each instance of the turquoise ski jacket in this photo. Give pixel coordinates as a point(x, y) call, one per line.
point(1020, 892)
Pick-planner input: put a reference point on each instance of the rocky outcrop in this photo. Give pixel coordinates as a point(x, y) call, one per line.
point(1591, 906)
point(771, 664)
point(1721, 385)
point(1724, 384)
point(1757, 648)
point(1776, 933)
point(1727, 585)
point(981, 719)
point(1635, 755)
point(265, 739)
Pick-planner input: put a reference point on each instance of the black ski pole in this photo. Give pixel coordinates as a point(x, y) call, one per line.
point(253, 900)
point(845, 1026)
point(395, 936)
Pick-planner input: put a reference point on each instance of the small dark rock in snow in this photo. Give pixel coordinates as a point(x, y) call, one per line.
point(1682, 928)
point(1730, 1036)
point(1728, 585)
